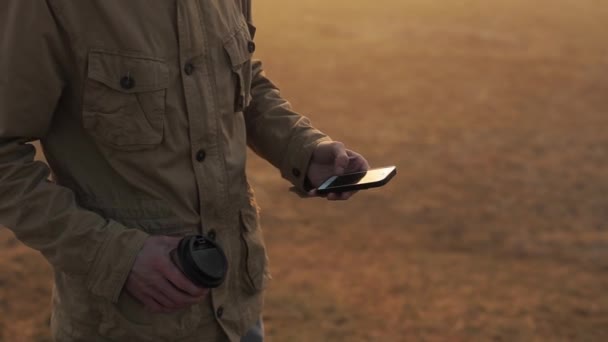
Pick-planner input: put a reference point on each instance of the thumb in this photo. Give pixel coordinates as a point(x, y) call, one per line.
point(341, 161)
point(172, 241)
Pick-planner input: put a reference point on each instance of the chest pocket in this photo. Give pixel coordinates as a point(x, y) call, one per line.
point(240, 48)
point(124, 100)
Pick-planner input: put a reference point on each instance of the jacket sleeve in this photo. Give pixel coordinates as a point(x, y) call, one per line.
point(274, 131)
point(278, 134)
point(44, 215)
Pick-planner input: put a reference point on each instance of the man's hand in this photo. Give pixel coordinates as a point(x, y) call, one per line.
point(157, 283)
point(331, 158)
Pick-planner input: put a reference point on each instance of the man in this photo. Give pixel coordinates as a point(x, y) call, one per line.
point(144, 109)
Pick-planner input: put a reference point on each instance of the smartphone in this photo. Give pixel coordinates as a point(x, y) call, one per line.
point(372, 178)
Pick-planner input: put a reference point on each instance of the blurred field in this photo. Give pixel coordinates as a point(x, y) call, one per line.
point(496, 227)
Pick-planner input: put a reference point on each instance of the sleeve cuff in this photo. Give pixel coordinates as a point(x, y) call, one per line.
point(114, 261)
point(299, 152)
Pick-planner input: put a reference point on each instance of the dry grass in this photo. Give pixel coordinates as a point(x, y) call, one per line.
point(496, 227)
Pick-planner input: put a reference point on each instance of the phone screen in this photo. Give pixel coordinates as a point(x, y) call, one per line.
point(352, 178)
point(371, 176)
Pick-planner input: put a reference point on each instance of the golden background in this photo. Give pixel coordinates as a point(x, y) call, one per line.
point(496, 227)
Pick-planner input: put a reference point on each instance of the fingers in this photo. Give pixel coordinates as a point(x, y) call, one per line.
point(152, 305)
point(158, 283)
point(167, 303)
point(172, 298)
point(333, 196)
point(177, 291)
point(179, 281)
point(175, 276)
point(148, 301)
point(164, 297)
point(354, 163)
point(341, 196)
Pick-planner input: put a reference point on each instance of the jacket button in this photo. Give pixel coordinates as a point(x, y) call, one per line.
point(189, 69)
point(200, 155)
point(211, 235)
point(127, 82)
point(296, 172)
point(220, 312)
point(251, 47)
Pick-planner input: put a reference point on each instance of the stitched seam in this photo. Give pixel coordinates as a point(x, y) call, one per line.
point(127, 53)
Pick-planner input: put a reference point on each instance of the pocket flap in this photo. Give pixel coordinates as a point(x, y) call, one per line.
point(239, 47)
point(249, 218)
point(256, 272)
point(143, 73)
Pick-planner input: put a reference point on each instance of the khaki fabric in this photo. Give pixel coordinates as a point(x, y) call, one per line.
point(144, 109)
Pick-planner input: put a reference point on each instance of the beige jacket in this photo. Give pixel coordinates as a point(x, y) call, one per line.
point(144, 109)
